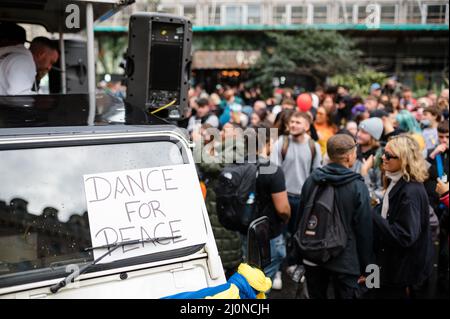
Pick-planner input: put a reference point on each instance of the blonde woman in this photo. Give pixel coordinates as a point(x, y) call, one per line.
point(402, 232)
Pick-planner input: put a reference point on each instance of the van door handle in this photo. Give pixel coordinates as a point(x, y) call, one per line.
point(182, 269)
point(214, 264)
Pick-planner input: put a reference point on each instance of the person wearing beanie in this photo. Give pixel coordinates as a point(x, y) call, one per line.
point(388, 125)
point(372, 126)
point(369, 152)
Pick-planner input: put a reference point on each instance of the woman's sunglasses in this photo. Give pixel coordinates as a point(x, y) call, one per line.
point(389, 156)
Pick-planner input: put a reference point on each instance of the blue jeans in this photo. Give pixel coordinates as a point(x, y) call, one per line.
point(277, 255)
point(294, 202)
point(291, 229)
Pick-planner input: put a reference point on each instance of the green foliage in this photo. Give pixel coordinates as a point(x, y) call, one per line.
point(263, 72)
point(359, 82)
point(110, 52)
point(314, 53)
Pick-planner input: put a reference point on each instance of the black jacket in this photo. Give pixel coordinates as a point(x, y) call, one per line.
point(353, 196)
point(404, 248)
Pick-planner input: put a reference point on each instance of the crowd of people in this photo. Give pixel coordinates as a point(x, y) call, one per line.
point(386, 156)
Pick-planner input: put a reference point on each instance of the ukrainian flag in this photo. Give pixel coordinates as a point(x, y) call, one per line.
point(247, 283)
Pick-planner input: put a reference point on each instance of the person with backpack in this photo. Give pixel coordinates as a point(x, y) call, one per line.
point(334, 234)
point(403, 246)
point(209, 165)
point(272, 200)
point(248, 190)
point(298, 155)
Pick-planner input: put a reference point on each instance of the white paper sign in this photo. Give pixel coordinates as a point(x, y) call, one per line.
point(142, 204)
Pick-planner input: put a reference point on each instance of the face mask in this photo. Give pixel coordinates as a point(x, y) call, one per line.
point(425, 123)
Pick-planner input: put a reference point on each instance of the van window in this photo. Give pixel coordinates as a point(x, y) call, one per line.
point(43, 215)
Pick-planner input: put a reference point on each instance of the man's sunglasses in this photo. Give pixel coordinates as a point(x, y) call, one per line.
point(389, 156)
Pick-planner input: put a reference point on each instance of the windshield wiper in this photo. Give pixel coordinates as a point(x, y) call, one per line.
point(111, 247)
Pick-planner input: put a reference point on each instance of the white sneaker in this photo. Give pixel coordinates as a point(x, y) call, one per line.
point(291, 269)
point(277, 283)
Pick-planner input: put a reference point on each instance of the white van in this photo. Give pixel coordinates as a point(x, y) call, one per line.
point(51, 178)
point(91, 207)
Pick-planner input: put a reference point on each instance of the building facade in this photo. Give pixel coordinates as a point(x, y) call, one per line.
point(406, 38)
point(295, 12)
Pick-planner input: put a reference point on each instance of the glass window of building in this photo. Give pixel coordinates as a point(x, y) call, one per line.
point(414, 14)
point(362, 14)
point(190, 13)
point(233, 15)
point(254, 14)
point(169, 10)
point(299, 14)
point(388, 14)
point(214, 15)
point(347, 15)
point(279, 15)
point(436, 13)
point(320, 14)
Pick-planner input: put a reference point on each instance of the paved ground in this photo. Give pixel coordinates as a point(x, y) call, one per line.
point(289, 290)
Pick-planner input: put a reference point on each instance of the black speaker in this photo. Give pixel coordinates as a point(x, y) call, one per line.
point(158, 64)
point(76, 69)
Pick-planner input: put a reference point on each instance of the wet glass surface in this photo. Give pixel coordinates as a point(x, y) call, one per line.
point(43, 215)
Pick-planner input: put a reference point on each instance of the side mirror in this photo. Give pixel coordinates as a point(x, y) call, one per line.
point(258, 245)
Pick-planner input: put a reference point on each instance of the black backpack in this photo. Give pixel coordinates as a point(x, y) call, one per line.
point(236, 196)
point(321, 234)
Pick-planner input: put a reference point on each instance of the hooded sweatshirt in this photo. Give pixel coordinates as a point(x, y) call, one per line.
point(353, 198)
point(17, 70)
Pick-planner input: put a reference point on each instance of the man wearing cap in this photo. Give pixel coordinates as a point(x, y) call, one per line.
point(375, 90)
point(369, 155)
point(22, 69)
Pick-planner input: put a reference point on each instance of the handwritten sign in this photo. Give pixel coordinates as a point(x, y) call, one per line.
point(143, 204)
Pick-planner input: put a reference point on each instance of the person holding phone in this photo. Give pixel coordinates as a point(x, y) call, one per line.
point(438, 177)
point(442, 190)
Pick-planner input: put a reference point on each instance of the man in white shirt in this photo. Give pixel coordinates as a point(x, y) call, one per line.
point(22, 69)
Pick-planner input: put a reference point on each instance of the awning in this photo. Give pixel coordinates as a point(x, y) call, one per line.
point(224, 59)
